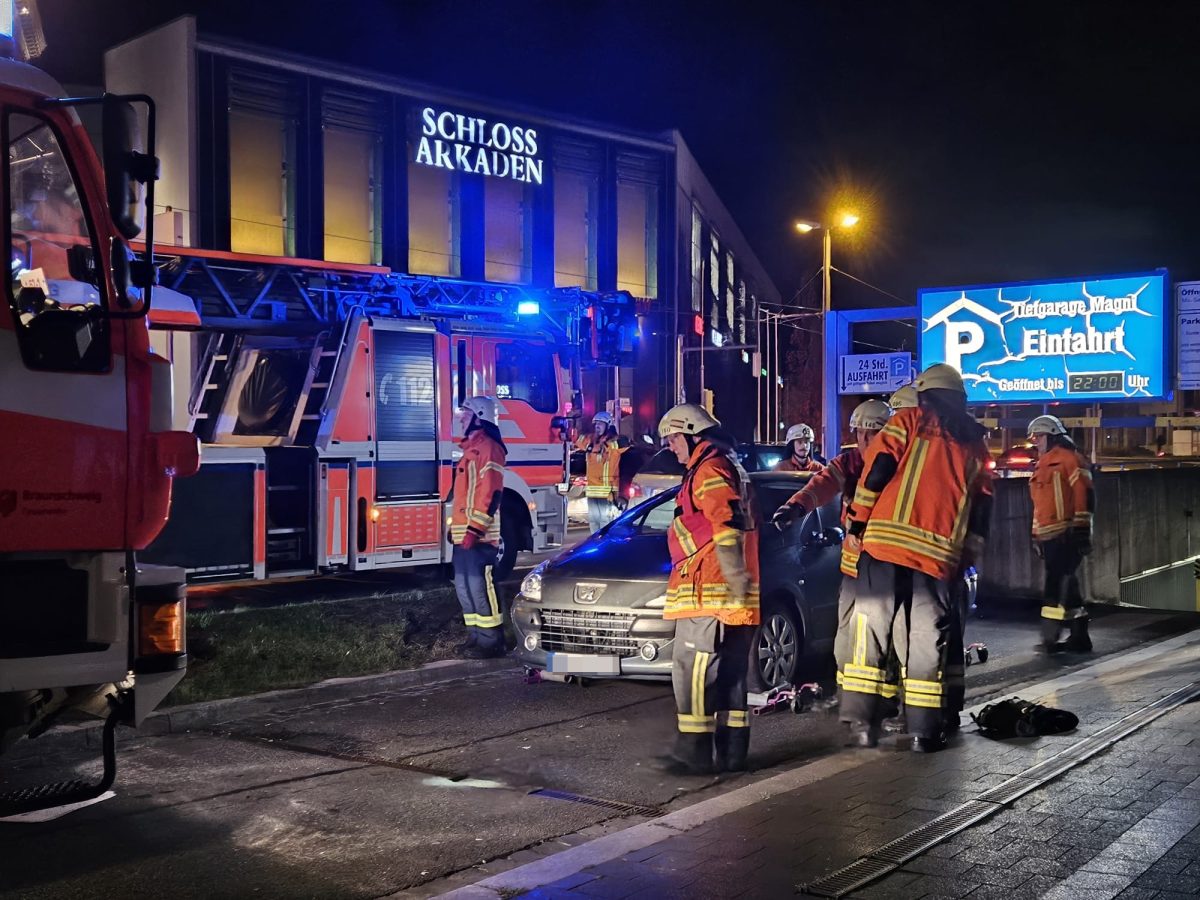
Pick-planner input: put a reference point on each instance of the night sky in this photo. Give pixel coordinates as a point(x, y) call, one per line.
point(978, 141)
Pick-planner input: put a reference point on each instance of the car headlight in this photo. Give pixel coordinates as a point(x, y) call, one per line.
point(531, 585)
point(659, 602)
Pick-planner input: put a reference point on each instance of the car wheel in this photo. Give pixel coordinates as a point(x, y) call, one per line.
point(777, 646)
point(506, 551)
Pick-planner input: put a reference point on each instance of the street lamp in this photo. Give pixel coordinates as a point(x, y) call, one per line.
point(842, 220)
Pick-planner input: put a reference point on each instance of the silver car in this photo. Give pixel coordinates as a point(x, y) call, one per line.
point(596, 610)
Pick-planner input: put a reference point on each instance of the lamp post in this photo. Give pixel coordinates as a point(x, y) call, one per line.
point(828, 405)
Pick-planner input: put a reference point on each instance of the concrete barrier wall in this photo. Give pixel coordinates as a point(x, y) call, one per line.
point(1144, 520)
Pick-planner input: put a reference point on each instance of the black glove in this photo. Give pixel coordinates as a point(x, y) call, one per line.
point(1083, 541)
point(1038, 551)
point(785, 516)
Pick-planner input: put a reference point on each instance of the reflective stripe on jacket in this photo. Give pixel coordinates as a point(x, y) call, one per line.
point(1062, 493)
point(714, 507)
point(478, 487)
point(920, 517)
point(841, 475)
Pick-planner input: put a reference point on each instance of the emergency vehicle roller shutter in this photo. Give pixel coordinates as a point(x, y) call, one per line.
point(405, 414)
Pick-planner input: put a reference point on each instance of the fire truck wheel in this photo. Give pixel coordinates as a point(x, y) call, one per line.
point(506, 549)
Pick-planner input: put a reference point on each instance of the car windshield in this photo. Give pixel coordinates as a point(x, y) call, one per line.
point(664, 462)
point(654, 514)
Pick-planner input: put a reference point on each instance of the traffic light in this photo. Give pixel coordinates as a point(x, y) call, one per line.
point(616, 326)
point(707, 401)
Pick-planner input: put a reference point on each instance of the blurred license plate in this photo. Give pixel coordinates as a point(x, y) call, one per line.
point(583, 664)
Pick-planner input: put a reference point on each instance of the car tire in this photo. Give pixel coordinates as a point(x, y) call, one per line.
point(777, 648)
point(506, 550)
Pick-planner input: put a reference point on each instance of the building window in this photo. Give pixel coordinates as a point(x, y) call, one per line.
point(576, 198)
point(353, 196)
point(697, 261)
point(434, 221)
point(507, 231)
point(637, 238)
point(714, 275)
point(729, 298)
point(261, 187)
point(526, 371)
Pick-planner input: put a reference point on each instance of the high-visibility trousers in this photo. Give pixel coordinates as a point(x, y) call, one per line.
point(844, 638)
point(476, 590)
point(1062, 600)
point(601, 511)
point(709, 664)
point(880, 593)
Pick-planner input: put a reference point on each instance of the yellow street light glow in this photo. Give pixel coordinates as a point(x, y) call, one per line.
point(849, 219)
point(804, 227)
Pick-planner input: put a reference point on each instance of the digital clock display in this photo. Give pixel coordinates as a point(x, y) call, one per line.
point(1096, 383)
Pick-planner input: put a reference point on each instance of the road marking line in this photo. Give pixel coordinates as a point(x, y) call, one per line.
point(614, 846)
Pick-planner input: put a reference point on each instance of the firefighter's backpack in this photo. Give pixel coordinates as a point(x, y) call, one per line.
point(1022, 718)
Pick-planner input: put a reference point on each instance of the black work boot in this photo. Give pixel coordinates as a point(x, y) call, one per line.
point(691, 755)
point(896, 724)
point(929, 743)
point(1079, 641)
point(732, 746)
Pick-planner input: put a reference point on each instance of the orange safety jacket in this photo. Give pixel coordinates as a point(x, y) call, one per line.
point(790, 465)
point(841, 475)
point(478, 486)
point(715, 506)
point(603, 466)
point(922, 495)
point(1062, 493)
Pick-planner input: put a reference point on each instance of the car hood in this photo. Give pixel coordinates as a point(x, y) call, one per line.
point(629, 556)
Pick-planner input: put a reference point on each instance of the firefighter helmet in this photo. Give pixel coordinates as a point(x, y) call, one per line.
point(483, 407)
point(1046, 425)
point(686, 418)
point(904, 398)
point(800, 432)
point(603, 418)
point(870, 415)
point(940, 376)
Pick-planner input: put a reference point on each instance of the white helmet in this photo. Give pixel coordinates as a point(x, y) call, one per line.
point(940, 376)
point(1046, 425)
point(483, 407)
point(800, 432)
point(904, 398)
point(870, 415)
point(686, 418)
point(603, 418)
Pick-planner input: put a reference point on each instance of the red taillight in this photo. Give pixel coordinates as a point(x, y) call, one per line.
point(991, 465)
point(635, 491)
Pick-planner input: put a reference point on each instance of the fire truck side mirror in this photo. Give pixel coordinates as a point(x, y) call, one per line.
point(127, 167)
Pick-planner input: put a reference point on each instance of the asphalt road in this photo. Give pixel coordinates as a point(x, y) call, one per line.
point(365, 797)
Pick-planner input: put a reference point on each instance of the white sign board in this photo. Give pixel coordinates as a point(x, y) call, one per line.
point(1187, 348)
point(465, 143)
point(874, 373)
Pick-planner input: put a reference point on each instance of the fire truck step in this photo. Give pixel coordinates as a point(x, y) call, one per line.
point(63, 793)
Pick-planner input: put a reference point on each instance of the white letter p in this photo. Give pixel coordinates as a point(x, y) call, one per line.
point(957, 347)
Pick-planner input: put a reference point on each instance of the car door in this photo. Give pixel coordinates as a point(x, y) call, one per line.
point(803, 561)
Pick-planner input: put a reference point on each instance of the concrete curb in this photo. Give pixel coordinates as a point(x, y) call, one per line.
point(179, 719)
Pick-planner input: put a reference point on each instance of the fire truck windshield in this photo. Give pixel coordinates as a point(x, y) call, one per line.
point(53, 288)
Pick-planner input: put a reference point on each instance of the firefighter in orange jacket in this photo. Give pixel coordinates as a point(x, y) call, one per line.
point(603, 449)
point(475, 525)
point(841, 475)
point(801, 458)
point(922, 504)
point(1063, 504)
point(712, 594)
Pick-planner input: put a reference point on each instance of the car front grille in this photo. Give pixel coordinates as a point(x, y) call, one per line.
point(579, 631)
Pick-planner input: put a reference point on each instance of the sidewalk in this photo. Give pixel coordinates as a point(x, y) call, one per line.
point(1111, 810)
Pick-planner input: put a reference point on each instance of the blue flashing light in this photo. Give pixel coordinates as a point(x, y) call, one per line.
point(528, 308)
point(6, 18)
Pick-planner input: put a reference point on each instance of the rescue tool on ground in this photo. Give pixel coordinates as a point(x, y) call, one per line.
point(86, 406)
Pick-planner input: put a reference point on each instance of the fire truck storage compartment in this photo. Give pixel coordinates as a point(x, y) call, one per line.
point(405, 414)
point(291, 476)
point(44, 611)
point(210, 532)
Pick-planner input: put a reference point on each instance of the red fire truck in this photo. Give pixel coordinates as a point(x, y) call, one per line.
point(89, 453)
point(324, 395)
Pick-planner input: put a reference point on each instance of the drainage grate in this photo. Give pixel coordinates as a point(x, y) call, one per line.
point(921, 839)
point(842, 882)
point(888, 858)
point(629, 809)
